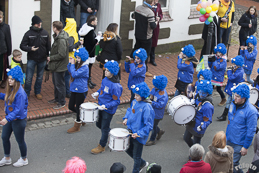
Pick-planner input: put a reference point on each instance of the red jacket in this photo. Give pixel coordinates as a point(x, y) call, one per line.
point(196, 167)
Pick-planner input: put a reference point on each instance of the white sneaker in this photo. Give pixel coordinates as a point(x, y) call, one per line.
point(5, 162)
point(21, 163)
point(142, 168)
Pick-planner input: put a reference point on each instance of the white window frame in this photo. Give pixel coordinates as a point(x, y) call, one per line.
point(166, 8)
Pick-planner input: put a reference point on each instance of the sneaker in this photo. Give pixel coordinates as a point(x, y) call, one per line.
point(21, 163)
point(39, 96)
point(52, 101)
point(58, 106)
point(150, 143)
point(144, 166)
point(161, 132)
point(5, 162)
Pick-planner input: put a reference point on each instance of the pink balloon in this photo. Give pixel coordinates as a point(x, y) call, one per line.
point(202, 18)
point(209, 3)
point(216, 2)
point(203, 4)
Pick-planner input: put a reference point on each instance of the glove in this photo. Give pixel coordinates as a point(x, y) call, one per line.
point(215, 68)
point(192, 101)
point(101, 107)
point(199, 128)
point(94, 95)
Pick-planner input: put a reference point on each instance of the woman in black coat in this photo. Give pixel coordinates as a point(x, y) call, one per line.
point(248, 23)
point(111, 46)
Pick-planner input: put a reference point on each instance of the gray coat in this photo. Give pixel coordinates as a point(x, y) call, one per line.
point(256, 147)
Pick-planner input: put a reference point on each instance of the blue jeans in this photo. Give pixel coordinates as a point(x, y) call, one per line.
point(83, 18)
point(103, 123)
point(18, 128)
point(67, 78)
point(229, 101)
point(155, 130)
point(177, 92)
point(236, 156)
point(224, 35)
point(29, 75)
point(248, 78)
point(135, 151)
point(188, 138)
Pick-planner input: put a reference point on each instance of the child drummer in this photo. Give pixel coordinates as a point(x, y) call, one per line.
point(139, 119)
point(109, 99)
point(159, 99)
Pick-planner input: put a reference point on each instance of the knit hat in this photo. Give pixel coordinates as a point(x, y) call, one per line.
point(141, 89)
point(16, 73)
point(160, 82)
point(117, 168)
point(112, 66)
point(141, 53)
point(82, 53)
point(251, 39)
point(35, 20)
point(154, 168)
point(189, 50)
point(205, 86)
point(242, 90)
point(238, 60)
point(206, 73)
point(220, 48)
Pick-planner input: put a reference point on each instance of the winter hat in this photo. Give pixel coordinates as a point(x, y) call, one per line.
point(205, 86)
point(112, 66)
point(141, 53)
point(238, 60)
point(16, 73)
point(206, 73)
point(82, 53)
point(141, 89)
point(154, 168)
point(251, 39)
point(242, 90)
point(117, 167)
point(220, 48)
point(189, 50)
point(160, 82)
point(35, 20)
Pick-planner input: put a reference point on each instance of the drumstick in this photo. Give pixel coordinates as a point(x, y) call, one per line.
point(118, 122)
point(97, 104)
point(129, 133)
point(255, 106)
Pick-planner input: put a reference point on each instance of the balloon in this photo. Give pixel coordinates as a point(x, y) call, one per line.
point(206, 15)
point(213, 13)
point(199, 2)
point(203, 4)
point(202, 18)
point(214, 7)
point(210, 19)
point(208, 9)
point(207, 22)
point(198, 7)
point(202, 11)
point(203, 0)
point(216, 2)
point(209, 3)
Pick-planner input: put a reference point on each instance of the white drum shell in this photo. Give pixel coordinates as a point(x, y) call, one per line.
point(119, 140)
point(89, 112)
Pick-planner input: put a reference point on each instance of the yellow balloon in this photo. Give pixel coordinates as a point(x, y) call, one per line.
point(208, 9)
point(203, 1)
point(214, 7)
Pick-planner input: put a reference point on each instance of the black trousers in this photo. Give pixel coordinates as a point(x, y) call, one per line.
point(152, 54)
point(58, 79)
point(90, 69)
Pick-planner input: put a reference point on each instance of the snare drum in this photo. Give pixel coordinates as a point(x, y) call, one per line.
point(89, 112)
point(119, 139)
point(181, 110)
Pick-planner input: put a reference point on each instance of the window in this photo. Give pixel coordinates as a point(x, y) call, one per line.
point(164, 3)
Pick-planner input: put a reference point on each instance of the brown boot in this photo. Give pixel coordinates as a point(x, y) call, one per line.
point(149, 74)
point(76, 127)
point(83, 124)
point(223, 101)
point(39, 96)
point(98, 149)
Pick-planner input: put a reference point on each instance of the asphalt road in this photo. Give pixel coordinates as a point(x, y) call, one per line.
point(50, 148)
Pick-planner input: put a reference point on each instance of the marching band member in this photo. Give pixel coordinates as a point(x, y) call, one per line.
point(256, 84)
point(79, 74)
point(235, 76)
point(218, 68)
point(136, 69)
point(249, 54)
point(139, 119)
point(186, 63)
point(203, 116)
point(109, 99)
point(16, 104)
point(242, 121)
point(159, 99)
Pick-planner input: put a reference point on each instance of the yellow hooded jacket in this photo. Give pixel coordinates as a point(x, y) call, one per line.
point(70, 28)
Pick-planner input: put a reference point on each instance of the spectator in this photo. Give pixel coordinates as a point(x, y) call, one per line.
point(154, 168)
point(73, 44)
point(220, 155)
point(111, 46)
point(196, 164)
point(67, 10)
point(226, 14)
point(17, 60)
point(5, 49)
point(158, 16)
point(248, 23)
point(87, 32)
point(36, 43)
point(145, 23)
point(254, 168)
point(117, 168)
point(256, 146)
point(88, 7)
point(75, 165)
point(58, 61)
